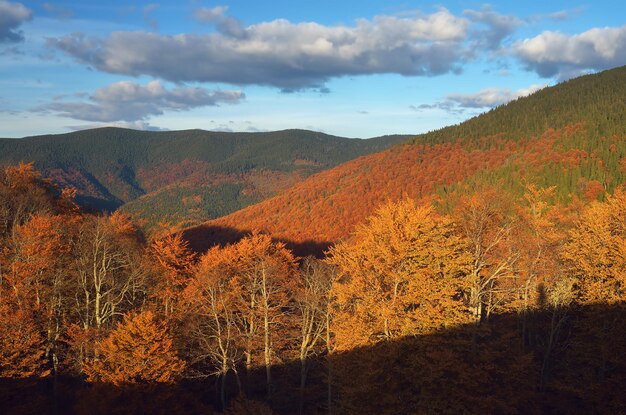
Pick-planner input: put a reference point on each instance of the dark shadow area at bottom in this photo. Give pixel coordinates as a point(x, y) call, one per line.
point(556, 361)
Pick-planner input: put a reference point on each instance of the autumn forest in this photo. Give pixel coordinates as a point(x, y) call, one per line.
point(476, 269)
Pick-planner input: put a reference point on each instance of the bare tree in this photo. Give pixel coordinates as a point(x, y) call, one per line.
point(106, 270)
point(312, 305)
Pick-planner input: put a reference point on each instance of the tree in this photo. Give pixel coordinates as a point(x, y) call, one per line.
point(107, 269)
point(399, 275)
point(595, 257)
point(173, 267)
point(312, 299)
point(138, 350)
point(22, 346)
point(23, 193)
point(210, 299)
point(488, 224)
point(39, 254)
point(596, 250)
point(264, 271)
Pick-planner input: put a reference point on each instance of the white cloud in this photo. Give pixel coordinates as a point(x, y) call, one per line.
point(457, 104)
point(226, 25)
point(491, 97)
point(12, 15)
point(129, 102)
point(557, 54)
point(280, 53)
point(498, 26)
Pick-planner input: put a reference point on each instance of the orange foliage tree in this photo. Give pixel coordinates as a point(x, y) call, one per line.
point(139, 350)
point(488, 222)
point(213, 333)
point(22, 346)
point(263, 277)
point(248, 284)
point(173, 268)
point(398, 275)
point(39, 253)
point(596, 250)
point(595, 255)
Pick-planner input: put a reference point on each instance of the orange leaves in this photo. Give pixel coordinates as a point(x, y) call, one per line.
point(22, 175)
point(398, 275)
point(22, 347)
point(330, 204)
point(596, 251)
point(174, 263)
point(139, 350)
point(38, 250)
point(122, 225)
point(173, 254)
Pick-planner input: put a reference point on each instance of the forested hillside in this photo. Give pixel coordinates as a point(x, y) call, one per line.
point(570, 136)
point(184, 177)
point(503, 305)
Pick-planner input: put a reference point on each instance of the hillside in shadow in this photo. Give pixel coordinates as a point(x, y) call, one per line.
point(556, 361)
point(203, 237)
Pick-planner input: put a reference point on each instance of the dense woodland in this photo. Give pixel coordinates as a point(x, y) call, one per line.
point(570, 136)
point(180, 178)
point(503, 305)
point(490, 280)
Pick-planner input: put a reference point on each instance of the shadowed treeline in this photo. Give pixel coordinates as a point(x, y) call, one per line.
point(205, 236)
point(556, 361)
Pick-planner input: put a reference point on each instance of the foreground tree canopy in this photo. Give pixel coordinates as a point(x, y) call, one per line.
point(482, 303)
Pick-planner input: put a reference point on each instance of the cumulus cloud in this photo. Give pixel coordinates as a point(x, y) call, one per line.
point(279, 53)
point(563, 56)
point(491, 97)
point(129, 102)
point(457, 104)
point(226, 25)
point(12, 15)
point(497, 27)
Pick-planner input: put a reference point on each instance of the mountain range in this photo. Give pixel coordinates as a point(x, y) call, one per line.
point(176, 178)
point(312, 189)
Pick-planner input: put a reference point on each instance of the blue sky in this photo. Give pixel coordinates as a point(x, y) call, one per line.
point(352, 68)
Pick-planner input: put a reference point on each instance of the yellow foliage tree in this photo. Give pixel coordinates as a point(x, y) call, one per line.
point(596, 251)
point(398, 275)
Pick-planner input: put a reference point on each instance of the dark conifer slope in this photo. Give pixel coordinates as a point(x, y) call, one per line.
point(209, 173)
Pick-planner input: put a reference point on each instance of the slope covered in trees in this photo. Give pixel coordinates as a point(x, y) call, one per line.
point(201, 174)
point(501, 305)
point(571, 136)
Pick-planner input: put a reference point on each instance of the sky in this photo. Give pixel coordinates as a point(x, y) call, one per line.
point(354, 68)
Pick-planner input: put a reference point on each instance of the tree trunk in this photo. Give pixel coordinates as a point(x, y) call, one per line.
point(303, 375)
point(268, 355)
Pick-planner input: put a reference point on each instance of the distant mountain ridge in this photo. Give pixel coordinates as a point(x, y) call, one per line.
point(210, 173)
point(571, 136)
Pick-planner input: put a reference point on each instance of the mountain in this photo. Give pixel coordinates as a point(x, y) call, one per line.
point(183, 177)
point(572, 136)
